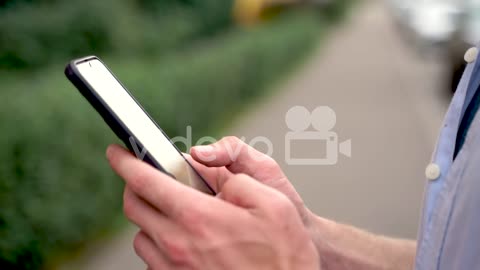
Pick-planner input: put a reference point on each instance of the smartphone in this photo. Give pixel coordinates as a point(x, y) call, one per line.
point(130, 122)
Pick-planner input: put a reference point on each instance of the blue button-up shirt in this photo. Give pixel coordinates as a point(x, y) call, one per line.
point(449, 237)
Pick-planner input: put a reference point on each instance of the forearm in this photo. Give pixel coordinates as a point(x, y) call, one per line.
point(344, 247)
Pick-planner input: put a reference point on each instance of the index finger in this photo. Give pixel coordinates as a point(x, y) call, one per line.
point(237, 157)
point(160, 190)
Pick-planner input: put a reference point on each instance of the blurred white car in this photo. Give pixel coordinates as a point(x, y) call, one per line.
point(435, 21)
point(466, 35)
point(471, 31)
point(450, 25)
point(430, 21)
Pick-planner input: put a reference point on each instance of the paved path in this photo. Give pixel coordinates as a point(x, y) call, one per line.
point(386, 100)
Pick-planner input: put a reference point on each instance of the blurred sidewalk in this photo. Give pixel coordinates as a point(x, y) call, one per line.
point(386, 101)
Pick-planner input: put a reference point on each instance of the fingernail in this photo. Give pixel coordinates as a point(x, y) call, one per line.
point(204, 148)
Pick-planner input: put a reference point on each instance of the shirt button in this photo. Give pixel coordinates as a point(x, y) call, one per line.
point(471, 55)
point(432, 172)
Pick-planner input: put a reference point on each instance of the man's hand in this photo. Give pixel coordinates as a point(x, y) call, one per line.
point(219, 161)
point(248, 226)
point(339, 246)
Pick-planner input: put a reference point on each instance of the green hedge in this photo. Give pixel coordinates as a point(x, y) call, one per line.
point(36, 33)
point(56, 190)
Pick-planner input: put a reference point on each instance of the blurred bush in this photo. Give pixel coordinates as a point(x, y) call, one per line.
point(34, 33)
point(56, 190)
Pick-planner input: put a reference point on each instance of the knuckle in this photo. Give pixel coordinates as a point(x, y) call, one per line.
point(234, 189)
point(138, 244)
point(232, 184)
point(129, 207)
point(232, 141)
point(177, 251)
point(270, 168)
point(228, 188)
point(188, 216)
point(270, 162)
point(282, 206)
point(197, 220)
point(240, 177)
point(138, 181)
point(193, 220)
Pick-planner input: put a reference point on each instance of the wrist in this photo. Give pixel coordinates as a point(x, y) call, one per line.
point(322, 234)
point(337, 245)
point(344, 247)
point(319, 228)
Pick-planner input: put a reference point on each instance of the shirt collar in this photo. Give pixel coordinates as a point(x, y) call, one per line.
point(473, 84)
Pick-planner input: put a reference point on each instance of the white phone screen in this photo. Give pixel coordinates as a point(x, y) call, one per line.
point(112, 93)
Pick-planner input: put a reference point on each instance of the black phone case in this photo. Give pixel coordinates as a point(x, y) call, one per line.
point(118, 127)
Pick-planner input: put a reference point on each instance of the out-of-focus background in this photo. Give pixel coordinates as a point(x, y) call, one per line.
point(224, 67)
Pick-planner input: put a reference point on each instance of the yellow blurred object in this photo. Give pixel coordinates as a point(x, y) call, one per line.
point(247, 12)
